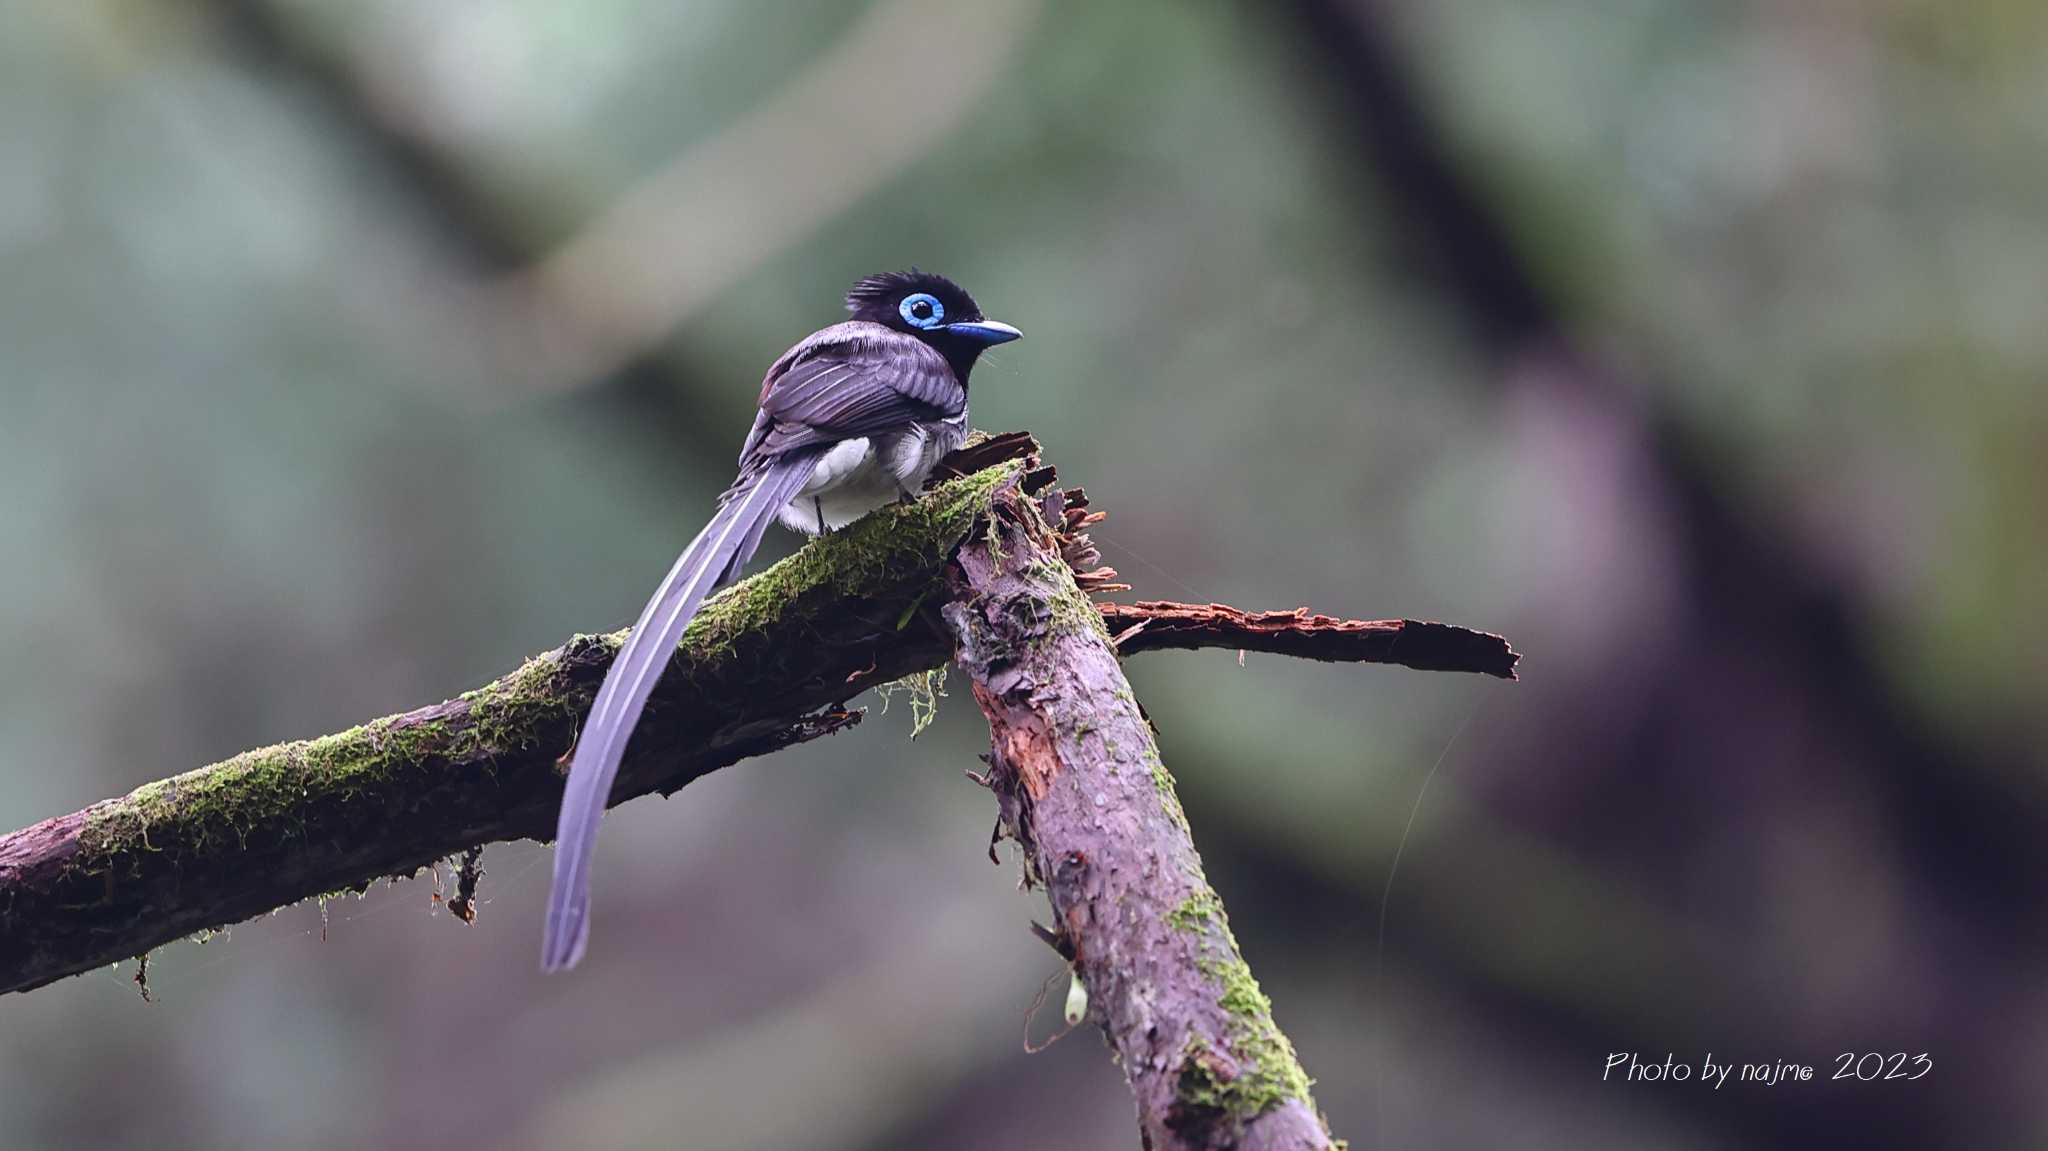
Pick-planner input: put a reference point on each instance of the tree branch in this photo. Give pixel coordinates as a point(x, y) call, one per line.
point(1083, 790)
point(273, 826)
point(1158, 625)
point(1005, 560)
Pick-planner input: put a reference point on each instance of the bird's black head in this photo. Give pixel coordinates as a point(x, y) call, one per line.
point(933, 309)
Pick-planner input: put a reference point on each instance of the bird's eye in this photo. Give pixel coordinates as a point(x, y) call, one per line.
point(922, 310)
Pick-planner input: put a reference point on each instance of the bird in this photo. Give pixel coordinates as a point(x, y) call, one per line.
point(852, 418)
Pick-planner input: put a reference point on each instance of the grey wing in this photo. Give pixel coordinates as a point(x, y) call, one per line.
point(849, 380)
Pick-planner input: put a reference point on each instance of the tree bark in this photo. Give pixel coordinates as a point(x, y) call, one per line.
point(1162, 625)
point(1083, 791)
point(280, 824)
point(991, 567)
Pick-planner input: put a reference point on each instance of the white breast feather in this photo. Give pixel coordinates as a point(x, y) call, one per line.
point(854, 477)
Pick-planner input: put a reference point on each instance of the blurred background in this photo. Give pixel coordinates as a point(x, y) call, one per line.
point(351, 352)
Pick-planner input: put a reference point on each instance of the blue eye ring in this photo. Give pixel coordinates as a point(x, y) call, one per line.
point(933, 313)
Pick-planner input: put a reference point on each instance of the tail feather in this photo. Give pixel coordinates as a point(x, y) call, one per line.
point(716, 555)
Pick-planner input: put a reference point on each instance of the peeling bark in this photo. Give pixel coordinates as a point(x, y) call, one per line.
point(1157, 625)
point(1082, 789)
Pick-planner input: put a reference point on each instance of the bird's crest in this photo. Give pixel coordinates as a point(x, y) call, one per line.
point(883, 286)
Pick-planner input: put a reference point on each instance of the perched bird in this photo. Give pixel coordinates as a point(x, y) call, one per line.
point(851, 419)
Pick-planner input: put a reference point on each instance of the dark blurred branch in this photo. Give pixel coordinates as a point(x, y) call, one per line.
point(272, 40)
point(484, 237)
point(1083, 791)
point(1452, 232)
point(1762, 605)
point(567, 291)
point(1762, 596)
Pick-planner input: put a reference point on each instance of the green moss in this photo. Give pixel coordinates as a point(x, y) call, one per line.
point(1162, 782)
point(992, 535)
point(1073, 613)
point(1263, 1070)
point(1199, 1085)
point(1268, 1071)
point(896, 545)
point(319, 799)
point(504, 715)
point(1199, 911)
point(266, 789)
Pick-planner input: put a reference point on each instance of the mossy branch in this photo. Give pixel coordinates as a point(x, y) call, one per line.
point(990, 568)
point(767, 663)
point(1083, 790)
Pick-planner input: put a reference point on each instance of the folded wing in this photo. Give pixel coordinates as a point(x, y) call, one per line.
point(849, 380)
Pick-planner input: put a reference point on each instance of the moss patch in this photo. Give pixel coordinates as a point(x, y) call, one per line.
point(1269, 1072)
point(1263, 1070)
point(220, 806)
point(891, 546)
point(1199, 912)
point(266, 791)
point(1072, 611)
point(1162, 782)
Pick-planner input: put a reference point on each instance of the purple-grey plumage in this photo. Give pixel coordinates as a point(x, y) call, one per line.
point(712, 558)
point(852, 418)
point(849, 380)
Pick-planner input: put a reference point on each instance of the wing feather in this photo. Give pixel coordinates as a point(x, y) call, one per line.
point(849, 380)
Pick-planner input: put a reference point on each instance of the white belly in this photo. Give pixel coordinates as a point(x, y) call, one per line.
point(857, 476)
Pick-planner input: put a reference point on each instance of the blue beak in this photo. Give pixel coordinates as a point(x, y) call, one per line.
point(985, 331)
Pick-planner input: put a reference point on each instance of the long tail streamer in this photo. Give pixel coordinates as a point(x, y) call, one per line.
point(713, 558)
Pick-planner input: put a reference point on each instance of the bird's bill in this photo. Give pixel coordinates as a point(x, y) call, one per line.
point(985, 331)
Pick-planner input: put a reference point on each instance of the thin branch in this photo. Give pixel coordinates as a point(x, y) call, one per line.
point(1157, 625)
